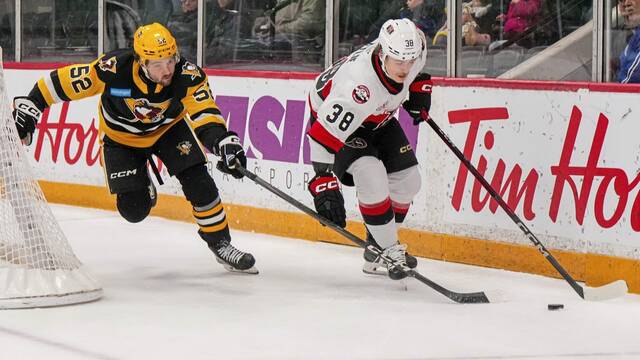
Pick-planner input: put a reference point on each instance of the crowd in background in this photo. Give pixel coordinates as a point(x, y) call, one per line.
point(270, 33)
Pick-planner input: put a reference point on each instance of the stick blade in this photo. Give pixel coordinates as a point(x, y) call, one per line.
point(470, 298)
point(609, 291)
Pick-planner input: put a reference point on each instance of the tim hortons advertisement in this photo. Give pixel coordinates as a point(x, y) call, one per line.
point(567, 162)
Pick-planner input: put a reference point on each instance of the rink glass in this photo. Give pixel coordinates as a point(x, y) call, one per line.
point(7, 29)
point(59, 30)
point(250, 35)
point(491, 43)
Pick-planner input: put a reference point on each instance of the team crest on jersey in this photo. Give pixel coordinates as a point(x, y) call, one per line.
point(356, 143)
point(108, 64)
point(190, 69)
point(147, 112)
point(184, 147)
point(361, 94)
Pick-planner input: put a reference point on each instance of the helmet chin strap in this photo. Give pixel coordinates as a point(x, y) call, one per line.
point(144, 70)
point(383, 57)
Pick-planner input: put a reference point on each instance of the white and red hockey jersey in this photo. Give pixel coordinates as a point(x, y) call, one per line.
point(354, 92)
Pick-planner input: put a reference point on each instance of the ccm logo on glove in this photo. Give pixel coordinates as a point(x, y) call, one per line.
point(323, 184)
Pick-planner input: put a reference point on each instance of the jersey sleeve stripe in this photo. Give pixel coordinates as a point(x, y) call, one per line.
point(48, 82)
point(57, 86)
point(44, 91)
point(324, 138)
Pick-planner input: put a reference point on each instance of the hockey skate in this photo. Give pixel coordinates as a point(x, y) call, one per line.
point(232, 259)
point(374, 265)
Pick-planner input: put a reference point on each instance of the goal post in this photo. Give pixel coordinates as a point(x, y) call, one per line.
point(37, 265)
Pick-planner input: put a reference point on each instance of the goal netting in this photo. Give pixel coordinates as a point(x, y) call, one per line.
point(37, 266)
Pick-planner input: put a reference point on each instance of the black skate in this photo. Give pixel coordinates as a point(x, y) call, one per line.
point(397, 253)
point(232, 259)
point(373, 265)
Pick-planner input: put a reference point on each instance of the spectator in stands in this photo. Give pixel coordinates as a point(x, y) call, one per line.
point(221, 31)
point(184, 27)
point(299, 22)
point(629, 71)
point(356, 17)
point(484, 14)
point(428, 15)
point(391, 11)
point(520, 17)
point(471, 35)
point(122, 22)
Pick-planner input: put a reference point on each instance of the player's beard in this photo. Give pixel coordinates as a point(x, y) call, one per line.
point(165, 81)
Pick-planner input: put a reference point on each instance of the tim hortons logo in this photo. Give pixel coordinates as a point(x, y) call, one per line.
point(608, 208)
point(184, 148)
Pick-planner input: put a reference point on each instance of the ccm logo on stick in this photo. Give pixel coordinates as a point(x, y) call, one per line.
point(122, 174)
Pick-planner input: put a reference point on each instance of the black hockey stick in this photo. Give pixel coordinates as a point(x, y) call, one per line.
point(612, 290)
point(478, 297)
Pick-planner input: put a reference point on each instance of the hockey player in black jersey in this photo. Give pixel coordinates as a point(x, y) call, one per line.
point(152, 101)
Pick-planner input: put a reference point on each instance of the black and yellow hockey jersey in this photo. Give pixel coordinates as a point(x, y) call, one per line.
point(134, 110)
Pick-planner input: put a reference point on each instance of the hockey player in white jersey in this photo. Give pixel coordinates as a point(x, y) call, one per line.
point(355, 136)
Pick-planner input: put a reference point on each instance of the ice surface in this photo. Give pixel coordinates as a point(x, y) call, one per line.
point(167, 298)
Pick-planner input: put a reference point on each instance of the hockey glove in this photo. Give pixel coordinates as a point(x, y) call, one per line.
point(26, 115)
point(327, 198)
point(229, 149)
point(419, 102)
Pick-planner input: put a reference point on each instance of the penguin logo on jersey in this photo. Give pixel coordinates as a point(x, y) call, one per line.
point(361, 94)
point(145, 111)
point(184, 148)
point(190, 69)
point(108, 64)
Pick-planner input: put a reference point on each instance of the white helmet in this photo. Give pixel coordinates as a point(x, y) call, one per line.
point(401, 39)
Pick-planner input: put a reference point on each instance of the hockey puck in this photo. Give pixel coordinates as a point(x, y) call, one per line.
point(555, 306)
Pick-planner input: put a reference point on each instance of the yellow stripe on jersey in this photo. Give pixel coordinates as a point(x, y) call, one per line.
point(200, 105)
point(46, 93)
point(130, 139)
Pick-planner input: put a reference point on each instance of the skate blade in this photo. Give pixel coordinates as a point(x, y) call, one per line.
point(251, 271)
point(374, 269)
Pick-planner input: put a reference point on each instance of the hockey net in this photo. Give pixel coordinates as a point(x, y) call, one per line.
point(37, 266)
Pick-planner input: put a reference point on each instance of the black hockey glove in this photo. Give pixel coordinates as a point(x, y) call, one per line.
point(26, 115)
point(229, 149)
point(419, 102)
point(327, 198)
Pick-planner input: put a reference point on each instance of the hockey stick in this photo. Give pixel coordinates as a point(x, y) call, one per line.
point(609, 291)
point(477, 297)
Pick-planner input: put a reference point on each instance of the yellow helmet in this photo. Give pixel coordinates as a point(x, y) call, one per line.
point(154, 42)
